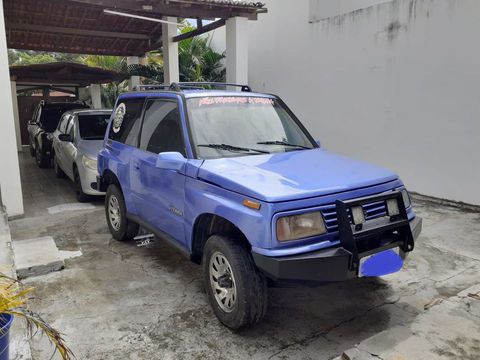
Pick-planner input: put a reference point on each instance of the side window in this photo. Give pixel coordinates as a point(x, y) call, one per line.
point(126, 121)
point(161, 129)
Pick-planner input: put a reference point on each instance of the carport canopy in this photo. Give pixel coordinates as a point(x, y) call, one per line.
point(83, 26)
point(62, 73)
point(107, 27)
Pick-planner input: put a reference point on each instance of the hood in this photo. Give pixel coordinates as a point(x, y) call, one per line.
point(90, 148)
point(292, 175)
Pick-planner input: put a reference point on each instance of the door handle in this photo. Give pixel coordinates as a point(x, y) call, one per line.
point(136, 165)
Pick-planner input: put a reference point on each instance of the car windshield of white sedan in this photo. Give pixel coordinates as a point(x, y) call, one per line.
point(226, 126)
point(93, 127)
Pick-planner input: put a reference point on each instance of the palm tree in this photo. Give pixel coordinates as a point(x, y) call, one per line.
point(197, 62)
point(109, 92)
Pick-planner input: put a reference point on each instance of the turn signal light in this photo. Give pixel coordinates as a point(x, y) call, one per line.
point(251, 204)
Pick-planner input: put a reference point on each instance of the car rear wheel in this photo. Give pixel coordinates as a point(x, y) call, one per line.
point(236, 289)
point(120, 227)
point(58, 171)
point(81, 196)
point(41, 158)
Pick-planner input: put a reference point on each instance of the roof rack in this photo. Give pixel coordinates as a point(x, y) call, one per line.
point(179, 86)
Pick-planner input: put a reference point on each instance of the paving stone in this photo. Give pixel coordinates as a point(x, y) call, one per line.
point(36, 256)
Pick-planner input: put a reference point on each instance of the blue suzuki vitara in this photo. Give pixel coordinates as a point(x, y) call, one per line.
point(237, 184)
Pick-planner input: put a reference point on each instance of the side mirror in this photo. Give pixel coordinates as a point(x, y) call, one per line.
point(170, 161)
point(65, 137)
point(318, 143)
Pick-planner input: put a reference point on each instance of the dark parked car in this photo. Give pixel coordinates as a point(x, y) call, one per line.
point(43, 124)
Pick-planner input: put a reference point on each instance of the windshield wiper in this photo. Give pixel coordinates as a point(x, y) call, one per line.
point(284, 143)
point(232, 148)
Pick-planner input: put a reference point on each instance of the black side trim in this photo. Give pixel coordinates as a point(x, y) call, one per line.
point(160, 234)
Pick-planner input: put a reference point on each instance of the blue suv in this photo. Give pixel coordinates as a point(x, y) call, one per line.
point(237, 184)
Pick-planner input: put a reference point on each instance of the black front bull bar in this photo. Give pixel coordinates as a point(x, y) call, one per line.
point(342, 263)
point(395, 228)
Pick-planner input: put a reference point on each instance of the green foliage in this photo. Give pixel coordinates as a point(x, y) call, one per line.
point(109, 92)
point(18, 57)
point(197, 62)
point(114, 63)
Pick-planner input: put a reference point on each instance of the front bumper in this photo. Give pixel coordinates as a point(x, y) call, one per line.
point(342, 263)
point(89, 181)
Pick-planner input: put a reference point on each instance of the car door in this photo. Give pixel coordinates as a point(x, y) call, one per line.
point(159, 194)
point(58, 145)
point(69, 148)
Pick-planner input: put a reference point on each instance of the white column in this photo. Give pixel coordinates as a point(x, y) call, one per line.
point(237, 50)
point(95, 94)
point(16, 117)
point(10, 185)
point(134, 80)
point(171, 71)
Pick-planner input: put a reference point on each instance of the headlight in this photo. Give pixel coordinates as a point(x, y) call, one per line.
point(406, 198)
point(89, 163)
point(300, 226)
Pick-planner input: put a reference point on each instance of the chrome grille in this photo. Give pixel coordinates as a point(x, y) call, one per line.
point(372, 210)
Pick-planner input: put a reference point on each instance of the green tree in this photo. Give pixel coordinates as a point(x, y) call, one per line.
point(197, 62)
point(109, 92)
point(20, 57)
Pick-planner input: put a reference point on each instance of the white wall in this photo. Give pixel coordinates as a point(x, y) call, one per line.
point(322, 9)
point(10, 187)
point(396, 84)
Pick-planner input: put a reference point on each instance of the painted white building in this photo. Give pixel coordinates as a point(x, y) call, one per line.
point(396, 83)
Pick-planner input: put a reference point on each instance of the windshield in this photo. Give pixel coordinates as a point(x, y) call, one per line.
point(51, 114)
point(93, 127)
point(243, 125)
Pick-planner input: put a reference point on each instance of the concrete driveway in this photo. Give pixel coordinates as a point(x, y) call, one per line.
point(119, 301)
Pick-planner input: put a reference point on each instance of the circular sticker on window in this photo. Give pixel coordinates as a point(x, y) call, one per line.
point(118, 119)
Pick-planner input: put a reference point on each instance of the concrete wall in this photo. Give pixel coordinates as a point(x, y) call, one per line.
point(396, 84)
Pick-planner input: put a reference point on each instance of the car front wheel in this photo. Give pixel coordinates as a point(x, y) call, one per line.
point(237, 291)
point(120, 227)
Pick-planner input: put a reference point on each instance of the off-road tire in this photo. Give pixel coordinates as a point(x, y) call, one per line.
point(251, 285)
point(41, 158)
point(127, 229)
point(58, 171)
point(80, 195)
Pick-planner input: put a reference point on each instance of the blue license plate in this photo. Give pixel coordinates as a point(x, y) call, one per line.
point(381, 263)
